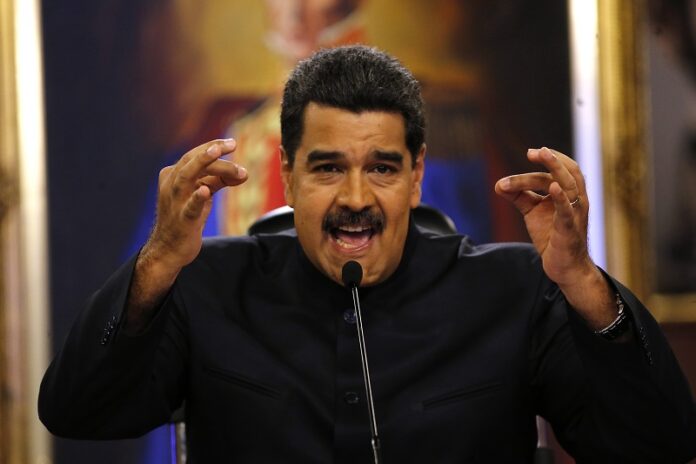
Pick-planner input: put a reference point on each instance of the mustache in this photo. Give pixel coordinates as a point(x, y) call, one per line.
point(345, 217)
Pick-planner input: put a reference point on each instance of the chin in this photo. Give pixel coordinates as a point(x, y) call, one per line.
point(371, 275)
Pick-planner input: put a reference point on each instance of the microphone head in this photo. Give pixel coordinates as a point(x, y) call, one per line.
point(352, 274)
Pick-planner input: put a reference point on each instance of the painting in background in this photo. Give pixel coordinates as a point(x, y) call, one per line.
point(672, 95)
point(495, 83)
point(133, 84)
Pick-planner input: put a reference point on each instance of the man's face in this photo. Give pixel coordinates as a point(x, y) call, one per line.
point(352, 186)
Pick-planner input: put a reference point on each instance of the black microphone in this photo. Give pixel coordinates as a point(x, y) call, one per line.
point(352, 275)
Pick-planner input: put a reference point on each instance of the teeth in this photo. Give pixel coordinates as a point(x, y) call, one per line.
point(344, 244)
point(352, 237)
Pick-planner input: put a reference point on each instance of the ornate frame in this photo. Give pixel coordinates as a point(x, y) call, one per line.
point(23, 257)
point(624, 117)
point(13, 439)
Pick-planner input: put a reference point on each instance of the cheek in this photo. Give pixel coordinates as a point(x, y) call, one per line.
point(310, 210)
point(312, 198)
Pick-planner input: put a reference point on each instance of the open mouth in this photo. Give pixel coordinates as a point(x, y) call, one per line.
point(352, 237)
point(352, 231)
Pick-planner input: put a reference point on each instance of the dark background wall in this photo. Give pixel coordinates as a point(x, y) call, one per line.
point(98, 170)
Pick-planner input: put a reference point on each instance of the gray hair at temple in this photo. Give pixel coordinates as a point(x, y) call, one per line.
point(355, 78)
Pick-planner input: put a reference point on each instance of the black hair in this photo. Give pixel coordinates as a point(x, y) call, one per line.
point(355, 78)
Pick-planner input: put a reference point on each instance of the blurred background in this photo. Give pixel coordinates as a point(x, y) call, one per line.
point(127, 86)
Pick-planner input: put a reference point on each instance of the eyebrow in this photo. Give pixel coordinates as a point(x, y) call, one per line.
point(316, 156)
point(393, 156)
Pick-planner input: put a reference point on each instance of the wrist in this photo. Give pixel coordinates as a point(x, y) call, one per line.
point(156, 268)
point(619, 327)
point(158, 257)
point(591, 296)
point(151, 281)
point(580, 276)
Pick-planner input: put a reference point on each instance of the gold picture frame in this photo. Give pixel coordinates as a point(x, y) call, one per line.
point(23, 236)
point(623, 25)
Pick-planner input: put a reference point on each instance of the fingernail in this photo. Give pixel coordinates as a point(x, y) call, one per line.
point(549, 153)
point(505, 183)
point(229, 143)
point(241, 172)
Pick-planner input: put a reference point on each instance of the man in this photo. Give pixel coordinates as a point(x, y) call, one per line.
point(466, 343)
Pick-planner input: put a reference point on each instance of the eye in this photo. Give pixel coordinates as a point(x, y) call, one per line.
point(383, 169)
point(326, 168)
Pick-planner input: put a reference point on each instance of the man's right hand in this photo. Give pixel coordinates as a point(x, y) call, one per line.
point(184, 200)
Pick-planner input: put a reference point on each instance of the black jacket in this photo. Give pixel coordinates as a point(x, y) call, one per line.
point(466, 345)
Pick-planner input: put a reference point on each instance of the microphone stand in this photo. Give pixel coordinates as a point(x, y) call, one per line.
point(376, 447)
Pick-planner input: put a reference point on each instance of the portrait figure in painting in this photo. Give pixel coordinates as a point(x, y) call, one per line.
point(296, 28)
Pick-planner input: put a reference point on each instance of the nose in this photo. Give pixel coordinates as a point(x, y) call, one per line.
point(355, 192)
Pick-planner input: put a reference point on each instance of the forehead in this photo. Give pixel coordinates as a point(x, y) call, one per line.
point(331, 128)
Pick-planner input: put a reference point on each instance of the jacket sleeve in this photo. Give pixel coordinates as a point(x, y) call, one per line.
point(608, 401)
point(104, 384)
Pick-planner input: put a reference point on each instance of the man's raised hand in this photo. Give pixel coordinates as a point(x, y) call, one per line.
point(556, 225)
point(184, 200)
point(555, 209)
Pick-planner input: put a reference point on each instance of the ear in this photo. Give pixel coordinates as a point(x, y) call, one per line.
point(418, 172)
point(286, 175)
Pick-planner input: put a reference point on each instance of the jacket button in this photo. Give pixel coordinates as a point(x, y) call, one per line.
point(351, 398)
point(349, 316)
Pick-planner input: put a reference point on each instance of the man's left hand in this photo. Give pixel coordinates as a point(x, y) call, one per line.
point(555, 209)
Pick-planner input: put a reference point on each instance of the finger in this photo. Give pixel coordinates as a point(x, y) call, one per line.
point(536, 181)
point(215, 183)
point(184, 179)
point(164, 175)
point(524, 200)
point(573, 168)
point(195, 166)
point(192, 165)
point(197, 202)
point(227, 146)
point(557, 164)
point(212, 182)
point(229, 173)
point(564, 219)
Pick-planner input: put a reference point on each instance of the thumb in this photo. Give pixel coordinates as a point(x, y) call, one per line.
point(524, 200)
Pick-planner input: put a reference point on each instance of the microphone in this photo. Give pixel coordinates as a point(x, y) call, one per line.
point(352, 275)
